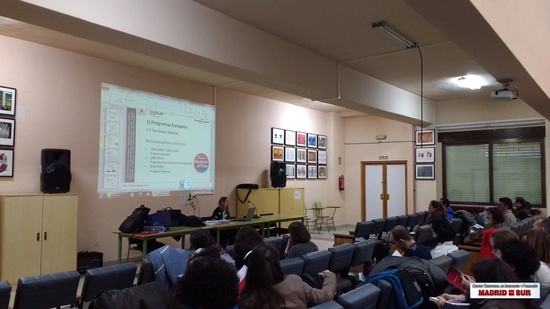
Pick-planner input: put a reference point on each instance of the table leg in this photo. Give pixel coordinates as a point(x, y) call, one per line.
point(120, 249)
point(218, 236)
point(144, 253)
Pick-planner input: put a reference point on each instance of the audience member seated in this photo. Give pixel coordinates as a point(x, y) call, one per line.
point(400, 236)
point(505, 205)
point(436, 211)
point(203, 239)
point(540, 241)
point(168, 264)
point(542, 224)
point(267, 287)
point(522, 208)
point(495, 219)
point(448, 208)
point(500, 236)
point(520, 256)
point(444, 234)
point(299, 242)
point(489, 270)
point(208, 283)
point(247, 238)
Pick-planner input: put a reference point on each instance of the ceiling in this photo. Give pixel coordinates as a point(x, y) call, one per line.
point(340, 31)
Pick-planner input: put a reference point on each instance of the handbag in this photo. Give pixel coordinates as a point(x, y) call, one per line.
point(174, 214)
point(159, 218)
point(134, 223)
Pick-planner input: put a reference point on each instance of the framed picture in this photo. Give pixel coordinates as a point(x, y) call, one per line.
point(290, 154)
point(322, 157)
point(290, 138)
point(425, 137)
point(425, 171)
point(425, 155)
point(301, 171)
point(312, 171)
point(301, 155)
point(311, 156)
point(7, 132)
point(277, 136)
point(7, 101)
point(322, 141)
point(6, 162)
point(322, 171)
point(277, 153)
point(301, 139)
point(290, 171)
point(312, 140)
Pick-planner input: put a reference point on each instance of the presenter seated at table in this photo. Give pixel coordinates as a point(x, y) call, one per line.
point(222, 211)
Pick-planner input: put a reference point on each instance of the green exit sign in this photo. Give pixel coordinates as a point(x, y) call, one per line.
point(382, 157)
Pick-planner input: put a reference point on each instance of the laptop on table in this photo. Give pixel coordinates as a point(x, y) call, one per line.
point(249, 215)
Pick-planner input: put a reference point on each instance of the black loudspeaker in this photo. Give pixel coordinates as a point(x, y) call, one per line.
point(56, 171)
point(278, 174)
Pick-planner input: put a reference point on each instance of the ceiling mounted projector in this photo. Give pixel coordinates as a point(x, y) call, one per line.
point(502, 95)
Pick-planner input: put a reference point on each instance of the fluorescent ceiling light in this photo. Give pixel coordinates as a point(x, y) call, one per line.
point(473, 82)
point(392, 34)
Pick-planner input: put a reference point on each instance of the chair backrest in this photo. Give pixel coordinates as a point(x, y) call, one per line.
point(115, 277)
point(378, 227)
point(458, 225)
point(278, 243)
point(362, 230)
point(460, 257)
point(402, 220)
point(422, 216)
point(328, 305)
point(363, 252)
point(340, 258)
point(146, 272)
point(423, 233)
point(316, 262)
point(292, 266)
point(516, 228)
point(363, 297)
point(444, 262)
point(5, 292)
point(411, 221)
point(391, 222)
point(47, 291)
point(318, 204)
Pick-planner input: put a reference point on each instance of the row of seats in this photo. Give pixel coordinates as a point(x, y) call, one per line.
point(60, 289)
point(521, 227)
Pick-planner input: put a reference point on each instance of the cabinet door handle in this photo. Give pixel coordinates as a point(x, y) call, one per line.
point(45, 235)
point(37, 236)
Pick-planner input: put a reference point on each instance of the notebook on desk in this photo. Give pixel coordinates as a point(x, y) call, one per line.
point(249, 215)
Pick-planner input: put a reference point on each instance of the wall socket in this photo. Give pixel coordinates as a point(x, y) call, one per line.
point(96, 243)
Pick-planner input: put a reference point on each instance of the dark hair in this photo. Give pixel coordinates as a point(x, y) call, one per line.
point(520, 256)
point(439, 209)
point(493, 270)
point(222, 200)
point(506, 201)
point(540, 241)
point(520, 200)
point(444, 230)
point(209, 283)
point(298, 233)
point(264, 271)
point(246, 239)
point(204, 252)
point(445, 202)
point(502, 236)
point(201, 239)
point(498, 216)
point(400, 232)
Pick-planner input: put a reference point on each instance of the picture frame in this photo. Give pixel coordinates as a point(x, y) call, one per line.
point(290, 154)
point(277, 153)
point(7, 101)
point(301, 171)
point(321, 157)
point(425, 155)
point(301, 139)
point(290, 138)
point(311, 156)
point(322, 141)
point(322, 171)
point(425, 137)
point(301, 155)
point(290, 171)
point(311, 140)
point(6, 162)
point(277, 136)
point(312, 171)
point(425, 171)
point(7, 132)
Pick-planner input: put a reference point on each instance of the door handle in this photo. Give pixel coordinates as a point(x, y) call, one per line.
point(387, 197)
point(37, 236)
point(45, 235)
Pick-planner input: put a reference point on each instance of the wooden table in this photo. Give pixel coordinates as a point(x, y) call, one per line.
point(263, 222)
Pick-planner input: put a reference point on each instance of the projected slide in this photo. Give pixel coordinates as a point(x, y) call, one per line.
point(152, 144)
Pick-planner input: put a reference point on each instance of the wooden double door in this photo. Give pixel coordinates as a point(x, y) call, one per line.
point(384, 189)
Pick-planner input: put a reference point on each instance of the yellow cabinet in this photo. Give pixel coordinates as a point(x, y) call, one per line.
point(289, 201)
point(37, 234)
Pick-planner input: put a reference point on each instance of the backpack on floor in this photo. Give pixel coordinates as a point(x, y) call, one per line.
point(404, 285)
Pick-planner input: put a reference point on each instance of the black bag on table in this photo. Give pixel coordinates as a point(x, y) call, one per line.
point(174, 214)
point(134, 223)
